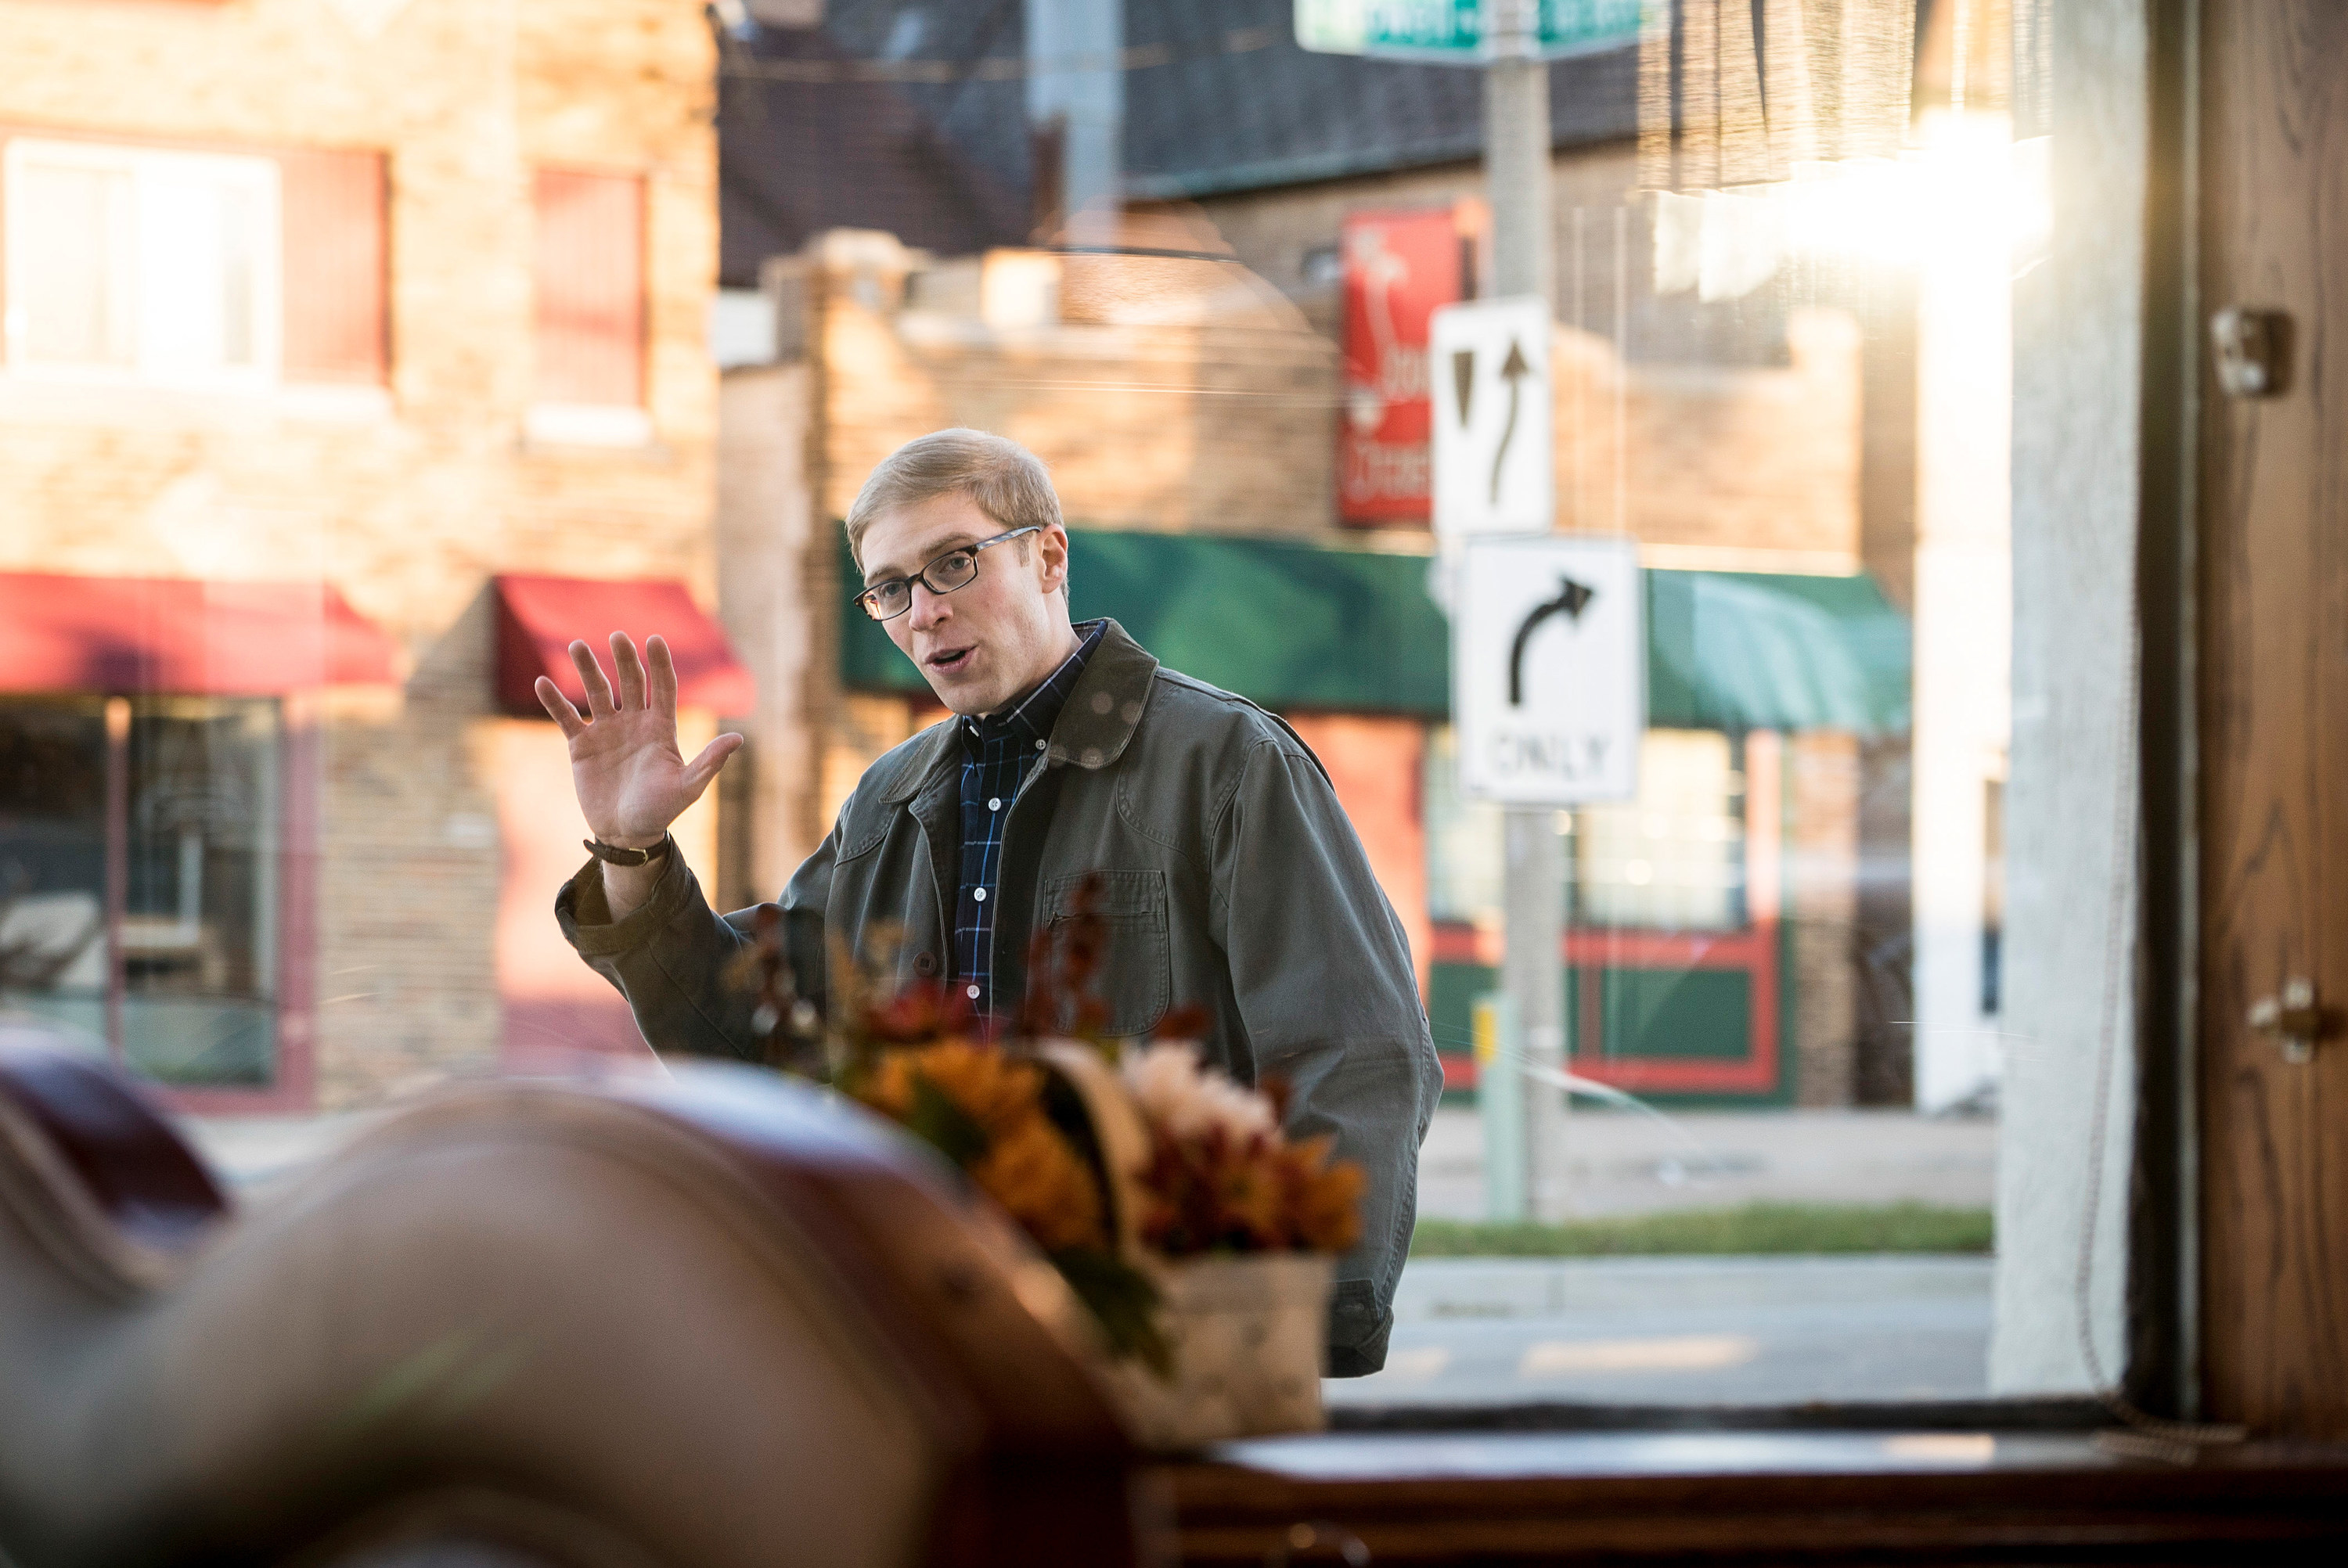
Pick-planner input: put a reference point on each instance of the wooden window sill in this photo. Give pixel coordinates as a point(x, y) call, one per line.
point(1753, 1496)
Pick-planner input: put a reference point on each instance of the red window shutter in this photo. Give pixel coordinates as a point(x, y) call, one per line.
point(332, 207)
point(591, 288)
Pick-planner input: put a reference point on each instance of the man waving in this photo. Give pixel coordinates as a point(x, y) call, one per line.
point(1214, 846)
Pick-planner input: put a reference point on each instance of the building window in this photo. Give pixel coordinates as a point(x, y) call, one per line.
point(139, 852)
point(142, 264)
point(589, 316)
point(1673, 859)
point(1463, 841)
point(1670, 860)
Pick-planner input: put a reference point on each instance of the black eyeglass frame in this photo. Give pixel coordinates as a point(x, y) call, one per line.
point(869, 599)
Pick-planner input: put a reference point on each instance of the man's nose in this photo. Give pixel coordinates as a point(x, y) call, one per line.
point(929, 609)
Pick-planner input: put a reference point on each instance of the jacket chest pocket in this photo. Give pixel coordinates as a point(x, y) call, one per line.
point(1135, 979)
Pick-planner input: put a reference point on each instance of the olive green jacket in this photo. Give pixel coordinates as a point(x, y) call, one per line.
point(1229, 879)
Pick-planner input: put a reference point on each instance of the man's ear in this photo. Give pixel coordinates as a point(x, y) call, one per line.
point(1054, 549)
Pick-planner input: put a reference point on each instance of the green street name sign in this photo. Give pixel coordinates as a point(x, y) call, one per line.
point(1455, 32)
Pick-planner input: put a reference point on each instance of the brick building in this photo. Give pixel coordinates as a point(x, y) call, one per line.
point(341, 338)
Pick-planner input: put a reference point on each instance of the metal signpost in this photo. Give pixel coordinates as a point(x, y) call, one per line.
point(1488, 480)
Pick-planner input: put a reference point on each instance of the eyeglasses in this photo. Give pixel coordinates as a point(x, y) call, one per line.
point(955, 568)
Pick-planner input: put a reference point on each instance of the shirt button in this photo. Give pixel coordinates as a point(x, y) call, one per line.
point(979, 893)
point(974, 993)
point(1040, 745)
point(994, 805)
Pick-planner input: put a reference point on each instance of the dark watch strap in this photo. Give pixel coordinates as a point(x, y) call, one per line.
point(613, 855)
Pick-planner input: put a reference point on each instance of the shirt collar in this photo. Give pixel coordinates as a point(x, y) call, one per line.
point(1031, 717)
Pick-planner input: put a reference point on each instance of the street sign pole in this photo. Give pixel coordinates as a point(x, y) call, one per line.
point(1500, 1101)
point(1516, 176)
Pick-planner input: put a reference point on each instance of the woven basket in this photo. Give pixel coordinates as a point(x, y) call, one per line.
point(1248, 1331)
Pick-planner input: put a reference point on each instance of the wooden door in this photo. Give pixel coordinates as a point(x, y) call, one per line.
point(2273, 705)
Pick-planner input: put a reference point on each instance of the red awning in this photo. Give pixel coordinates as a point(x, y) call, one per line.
point(538, 618)
point(124, 635)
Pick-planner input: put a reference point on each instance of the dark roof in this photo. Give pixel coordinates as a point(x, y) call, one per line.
point(912, 117)
point(807, 142)
point(1238, 106)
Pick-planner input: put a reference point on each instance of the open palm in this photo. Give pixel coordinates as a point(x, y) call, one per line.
point(631, 779)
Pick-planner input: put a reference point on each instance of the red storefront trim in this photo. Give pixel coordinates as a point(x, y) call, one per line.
point(539, 617)
point(138, 635)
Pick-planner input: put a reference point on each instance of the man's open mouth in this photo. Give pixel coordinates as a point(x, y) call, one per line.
point(950, 660)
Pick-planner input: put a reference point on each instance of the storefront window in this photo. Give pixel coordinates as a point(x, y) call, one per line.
point(1463, 840)
point(1673, 859)
point(138, 879)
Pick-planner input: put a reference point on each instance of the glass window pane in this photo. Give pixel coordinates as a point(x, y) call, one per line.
point(53, 864)
point(69, 254)
point(199, 250)
point(1463, 840)
point(1673, 859)
point(199, 929)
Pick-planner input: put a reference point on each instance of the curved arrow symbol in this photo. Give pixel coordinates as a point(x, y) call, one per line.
point(1513, 371)
point(1571, 597)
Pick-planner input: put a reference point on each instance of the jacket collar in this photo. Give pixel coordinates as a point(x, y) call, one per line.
point(1096, 723)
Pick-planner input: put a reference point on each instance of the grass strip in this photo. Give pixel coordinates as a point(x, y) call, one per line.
point(1754, 1228)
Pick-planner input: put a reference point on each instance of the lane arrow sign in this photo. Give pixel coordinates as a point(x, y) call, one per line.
point(1492, 449)
point(1513, 371)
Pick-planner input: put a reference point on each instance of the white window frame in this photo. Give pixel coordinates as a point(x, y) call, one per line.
point(260, 175)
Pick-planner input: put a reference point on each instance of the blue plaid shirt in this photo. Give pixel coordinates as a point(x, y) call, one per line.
point(996, 753)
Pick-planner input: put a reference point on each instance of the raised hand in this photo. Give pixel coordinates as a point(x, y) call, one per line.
point(631, 779)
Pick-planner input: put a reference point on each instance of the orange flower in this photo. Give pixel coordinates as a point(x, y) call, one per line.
point(1027, 1165)
point(995, 1090)
point(1030, 1170)
point(1325, 1198)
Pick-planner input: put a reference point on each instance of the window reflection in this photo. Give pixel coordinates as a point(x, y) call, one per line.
point(138, 870)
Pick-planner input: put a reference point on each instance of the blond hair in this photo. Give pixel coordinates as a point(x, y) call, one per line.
point(1003, 479)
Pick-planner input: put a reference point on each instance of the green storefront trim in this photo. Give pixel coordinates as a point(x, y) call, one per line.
point(1312, 628)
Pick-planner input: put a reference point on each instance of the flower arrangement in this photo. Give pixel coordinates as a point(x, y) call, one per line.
point(1209, 1174)
point(983, 1108)
point(1221, 1178)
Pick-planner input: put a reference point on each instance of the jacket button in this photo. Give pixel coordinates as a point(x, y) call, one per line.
point(925, 964)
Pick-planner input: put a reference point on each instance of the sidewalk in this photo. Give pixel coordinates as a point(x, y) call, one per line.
point(1623, 1162)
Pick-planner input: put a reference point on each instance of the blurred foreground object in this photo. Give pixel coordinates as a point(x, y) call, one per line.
point(715, 1320)
point(1200, 1238)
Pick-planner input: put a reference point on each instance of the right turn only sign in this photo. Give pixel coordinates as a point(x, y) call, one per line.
point(1549, 670)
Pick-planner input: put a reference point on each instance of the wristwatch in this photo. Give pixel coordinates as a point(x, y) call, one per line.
point(611, 854)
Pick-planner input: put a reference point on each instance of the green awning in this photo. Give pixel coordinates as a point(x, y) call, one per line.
point(1771, 650)
point(1307, 628)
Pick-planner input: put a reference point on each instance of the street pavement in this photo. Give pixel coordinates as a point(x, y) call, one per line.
point(1700, 1330)
point(1683, 1331)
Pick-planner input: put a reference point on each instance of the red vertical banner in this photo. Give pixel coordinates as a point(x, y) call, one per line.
point(1400, 266)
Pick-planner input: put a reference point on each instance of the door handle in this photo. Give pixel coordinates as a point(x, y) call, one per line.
point(2291, 1020)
